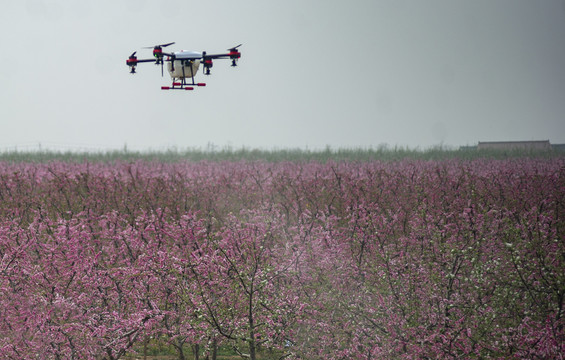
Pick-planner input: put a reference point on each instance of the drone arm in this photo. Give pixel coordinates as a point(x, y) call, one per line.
point(133, 61)
point(216, 56)
point(233, 55)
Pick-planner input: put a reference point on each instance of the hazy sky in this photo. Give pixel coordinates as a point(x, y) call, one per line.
point(356, 73)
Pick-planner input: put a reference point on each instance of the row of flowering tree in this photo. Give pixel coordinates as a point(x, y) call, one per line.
point(373, 260)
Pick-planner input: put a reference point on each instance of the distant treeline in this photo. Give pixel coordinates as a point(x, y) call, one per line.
point(381, 153)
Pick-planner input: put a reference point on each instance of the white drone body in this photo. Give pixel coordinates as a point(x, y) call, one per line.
point(191, 60)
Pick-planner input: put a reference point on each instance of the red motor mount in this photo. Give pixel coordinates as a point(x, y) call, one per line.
point(234, 55)
point(207, 66)
point(158, 53)
point(132, 62)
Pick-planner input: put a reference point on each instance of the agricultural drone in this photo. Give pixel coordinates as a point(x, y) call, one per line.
point(183, 65)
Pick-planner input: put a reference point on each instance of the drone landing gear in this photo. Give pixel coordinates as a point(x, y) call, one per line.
point(183, 85)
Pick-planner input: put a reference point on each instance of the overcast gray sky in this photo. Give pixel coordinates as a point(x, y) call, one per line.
point(313, 73)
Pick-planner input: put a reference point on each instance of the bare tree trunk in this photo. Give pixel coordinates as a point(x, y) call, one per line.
point(251, 341)
point(145, 348)
point(252, 350)
point(180, 351)
point(214, 349)
point(196, 351)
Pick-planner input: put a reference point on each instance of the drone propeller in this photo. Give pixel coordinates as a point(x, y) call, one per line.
point(234, 48)
point(158, 53)
point(158, 46)
point(132, 55)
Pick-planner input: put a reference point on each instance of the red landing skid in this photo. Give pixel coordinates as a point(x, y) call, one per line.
point(180, 86)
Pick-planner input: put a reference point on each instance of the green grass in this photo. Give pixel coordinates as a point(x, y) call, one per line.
point(381, 153)
point(161, 350)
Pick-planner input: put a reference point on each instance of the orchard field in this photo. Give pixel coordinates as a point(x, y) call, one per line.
point(403, 259)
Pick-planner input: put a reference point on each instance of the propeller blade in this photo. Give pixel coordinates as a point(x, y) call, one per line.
point(158, 46)
point(132, 55)
point(235, 47)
